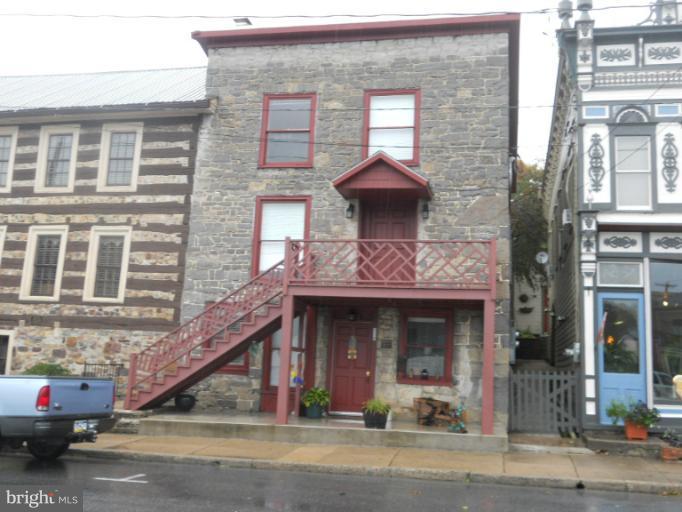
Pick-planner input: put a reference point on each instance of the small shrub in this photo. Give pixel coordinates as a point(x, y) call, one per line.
point(376, 406)
point(319, 396)
point(635, 412)
point(48, 370)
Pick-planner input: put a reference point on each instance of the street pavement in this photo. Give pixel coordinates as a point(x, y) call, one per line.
point(123, 486)
point(562, 470)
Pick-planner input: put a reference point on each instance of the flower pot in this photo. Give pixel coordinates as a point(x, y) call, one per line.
point(375, 420)
point(634, 432)
point(671, 453)
point(313, 411)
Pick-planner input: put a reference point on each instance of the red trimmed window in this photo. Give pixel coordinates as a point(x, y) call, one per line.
point(277, 218)
point(239, 365)
point(288, 130)
point(392, 124)
point(425, 355)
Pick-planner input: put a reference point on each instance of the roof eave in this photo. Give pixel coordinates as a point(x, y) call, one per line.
point(364, 31)
point(158, 109)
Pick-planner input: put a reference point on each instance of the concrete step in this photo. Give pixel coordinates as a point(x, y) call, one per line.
point(262, 428)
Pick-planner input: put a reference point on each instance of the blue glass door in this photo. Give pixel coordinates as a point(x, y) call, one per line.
point(621, 350)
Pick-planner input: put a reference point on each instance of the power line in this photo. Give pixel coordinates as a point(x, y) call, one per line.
point(548, 10)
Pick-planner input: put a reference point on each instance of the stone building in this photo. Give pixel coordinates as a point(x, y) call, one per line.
point(614, 205)
point(382, 151)
point(96, 175)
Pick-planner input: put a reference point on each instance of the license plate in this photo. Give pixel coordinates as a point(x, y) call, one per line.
point(81, 426)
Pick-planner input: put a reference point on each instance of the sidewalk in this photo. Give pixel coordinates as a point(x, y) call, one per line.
point(602, 472)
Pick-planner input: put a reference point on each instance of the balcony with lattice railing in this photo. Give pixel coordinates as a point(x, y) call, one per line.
point(411, 265)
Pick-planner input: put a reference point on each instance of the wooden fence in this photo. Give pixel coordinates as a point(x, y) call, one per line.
point(544, 402)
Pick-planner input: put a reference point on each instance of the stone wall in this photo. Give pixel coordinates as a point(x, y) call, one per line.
point(71, 348)
point(464, 130)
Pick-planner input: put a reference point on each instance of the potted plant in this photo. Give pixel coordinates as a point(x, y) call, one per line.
point(672, 451)
point(315, 401)
point(375, 413)
point(636, 416)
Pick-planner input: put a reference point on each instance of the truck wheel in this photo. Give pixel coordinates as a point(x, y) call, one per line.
point(185, 402)
point(44, 450)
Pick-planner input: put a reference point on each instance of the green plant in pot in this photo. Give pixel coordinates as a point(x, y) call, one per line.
point(315, 401)
point(637, 417)
point(375, 413)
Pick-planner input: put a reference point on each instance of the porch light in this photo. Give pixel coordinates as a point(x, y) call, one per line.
point(351, 316)
point(350, 211)
point(425, 211)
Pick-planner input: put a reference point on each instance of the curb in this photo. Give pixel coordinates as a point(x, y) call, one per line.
point(393, 472)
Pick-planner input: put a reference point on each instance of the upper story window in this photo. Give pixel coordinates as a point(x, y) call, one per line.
point(8, 145)
point(595, 112)
point(278, 218)
point(3, 233)
point(631, 115)
point(633, 172)
point(107, 266)
point(288, 131)
point(57, 154)
point(392, 124)
point(44, 263)
point(668, 110)
point(119, 162)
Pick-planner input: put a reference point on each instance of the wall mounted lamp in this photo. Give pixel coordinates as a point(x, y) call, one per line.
point(350, 211)
point(425, 211)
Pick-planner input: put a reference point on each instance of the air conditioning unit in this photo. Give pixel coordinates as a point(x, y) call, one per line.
point(566, 217)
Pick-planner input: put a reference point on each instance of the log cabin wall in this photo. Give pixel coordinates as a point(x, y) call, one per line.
point(72, 330)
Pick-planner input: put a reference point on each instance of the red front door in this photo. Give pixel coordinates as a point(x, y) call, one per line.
point(386, 262)
point(352, 366)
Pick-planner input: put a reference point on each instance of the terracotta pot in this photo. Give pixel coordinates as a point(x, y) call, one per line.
point(670, 453)
point(634, 432)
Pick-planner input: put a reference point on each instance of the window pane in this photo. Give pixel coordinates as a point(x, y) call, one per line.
point(426, 344)
point(278, 221)
point(4, 348)
point(45, 265)
point(5, 147)
point(293, 114)
point(633, 189)
point(666, 307)
point(621, 336)
point(121, 155)
point(287, 147)
point(620, 274)
point(393, 110)
point(632, 154)
point(397, 143)
point(58, 159)
point(109, 260)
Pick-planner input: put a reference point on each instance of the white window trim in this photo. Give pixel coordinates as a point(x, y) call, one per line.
point(640, 284)
point(587, 116)
point(3, 234)
point(105, 146)
point(91, 268)
point(644, 208)
point(43, 146)
point(10, 347)
point(29, 259)
point(13, 132)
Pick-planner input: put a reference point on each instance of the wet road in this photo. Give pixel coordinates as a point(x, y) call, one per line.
point(183, 487)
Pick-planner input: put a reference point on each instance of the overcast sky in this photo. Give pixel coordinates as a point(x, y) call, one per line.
point(47, 45)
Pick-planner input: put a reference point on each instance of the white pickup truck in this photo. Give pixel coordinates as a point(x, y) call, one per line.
point(50, 413)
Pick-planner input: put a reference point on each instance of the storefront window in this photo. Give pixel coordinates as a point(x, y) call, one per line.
point(666, 309)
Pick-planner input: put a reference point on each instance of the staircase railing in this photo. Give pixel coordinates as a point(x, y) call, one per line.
point(192, 335)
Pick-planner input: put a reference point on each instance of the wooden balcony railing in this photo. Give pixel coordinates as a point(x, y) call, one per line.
point(453, 264)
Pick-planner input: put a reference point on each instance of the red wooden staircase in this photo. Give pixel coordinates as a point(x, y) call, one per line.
point(217, 335)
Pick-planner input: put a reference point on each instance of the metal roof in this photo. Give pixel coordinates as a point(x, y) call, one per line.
point(108, 88)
